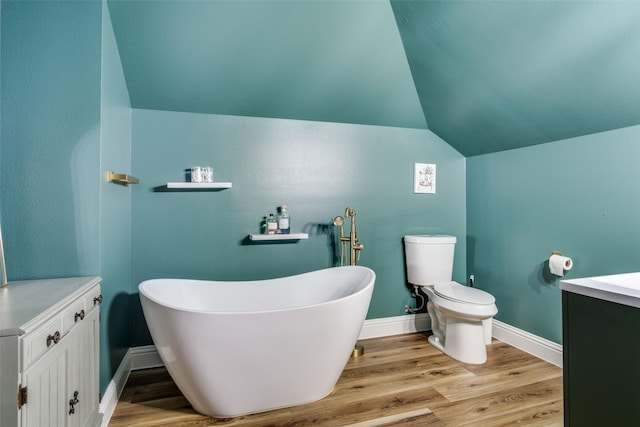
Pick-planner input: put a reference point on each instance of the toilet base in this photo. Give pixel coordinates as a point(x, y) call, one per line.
point(434, 341)
point(463, 341)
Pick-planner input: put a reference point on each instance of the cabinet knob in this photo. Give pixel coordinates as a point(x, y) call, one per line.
point(73, 402)
point(79, 315)
point(55, 338)
point(97, 300)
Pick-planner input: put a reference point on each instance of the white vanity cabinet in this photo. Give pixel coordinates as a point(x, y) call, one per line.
point(49, 353)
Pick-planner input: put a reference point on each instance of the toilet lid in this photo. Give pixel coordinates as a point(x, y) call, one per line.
point(456, 292)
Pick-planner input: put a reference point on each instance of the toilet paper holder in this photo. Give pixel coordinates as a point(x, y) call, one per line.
point(558, 263)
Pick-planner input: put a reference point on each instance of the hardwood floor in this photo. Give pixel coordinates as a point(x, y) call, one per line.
point(399, 381)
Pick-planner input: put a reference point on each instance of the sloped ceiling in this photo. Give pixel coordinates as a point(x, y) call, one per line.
point(333, 61)
point(484, 75)
point(496, 75)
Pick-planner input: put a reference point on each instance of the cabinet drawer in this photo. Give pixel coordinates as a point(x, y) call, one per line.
point(72, 315)
point(92, 299)
point(36, 344)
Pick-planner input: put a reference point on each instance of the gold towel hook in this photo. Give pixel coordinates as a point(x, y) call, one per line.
point(122, 178)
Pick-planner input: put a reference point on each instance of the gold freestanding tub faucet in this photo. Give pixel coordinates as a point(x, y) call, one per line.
point(353, 242)
point(355, 248)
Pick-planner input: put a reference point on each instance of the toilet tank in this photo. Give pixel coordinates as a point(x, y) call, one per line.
point(429, 258)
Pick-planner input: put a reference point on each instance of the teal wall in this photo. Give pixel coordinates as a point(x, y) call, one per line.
point(317, 169)
point(115, 207)
point(69, 121)
point(50, 137)
point(0, 114)
point(579, 196)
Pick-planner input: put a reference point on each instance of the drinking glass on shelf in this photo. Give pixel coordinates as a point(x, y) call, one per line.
point(196, 174)
point(207, 174)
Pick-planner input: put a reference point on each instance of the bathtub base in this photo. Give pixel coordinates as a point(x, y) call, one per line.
point(256, 410)
point(358, 350)
point(277, 372)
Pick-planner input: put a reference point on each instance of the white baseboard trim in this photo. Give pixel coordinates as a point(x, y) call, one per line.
point(398, 325)
point(542, 348)
point(135, 358)
point(114, 389)
point(147, 357)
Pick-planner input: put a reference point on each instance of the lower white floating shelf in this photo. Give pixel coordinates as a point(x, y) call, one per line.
point(290, 236)
point(198, 185)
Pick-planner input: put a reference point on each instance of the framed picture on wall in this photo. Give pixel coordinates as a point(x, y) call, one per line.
point(424, 178)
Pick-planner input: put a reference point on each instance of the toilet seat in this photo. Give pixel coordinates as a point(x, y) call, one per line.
point(456, 292)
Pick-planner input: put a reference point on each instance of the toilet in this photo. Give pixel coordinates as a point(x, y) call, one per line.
point(461, 316)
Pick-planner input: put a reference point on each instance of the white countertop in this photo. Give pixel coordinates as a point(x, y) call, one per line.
point(617, 288)
point(22, 301)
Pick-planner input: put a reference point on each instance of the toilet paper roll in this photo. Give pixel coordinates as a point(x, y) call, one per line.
point(558, 264)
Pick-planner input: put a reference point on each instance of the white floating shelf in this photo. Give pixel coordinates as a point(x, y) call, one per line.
point(198, 185)
point(290, 236)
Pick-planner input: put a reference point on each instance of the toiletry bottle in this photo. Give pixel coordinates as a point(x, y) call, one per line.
point(284, 226)
point(263, 226)
point(272, 224)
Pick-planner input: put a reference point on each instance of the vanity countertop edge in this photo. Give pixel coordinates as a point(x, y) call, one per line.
point(617, 288)
point(24, 302)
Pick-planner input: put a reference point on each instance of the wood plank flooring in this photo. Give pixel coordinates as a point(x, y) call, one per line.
point(399, 381)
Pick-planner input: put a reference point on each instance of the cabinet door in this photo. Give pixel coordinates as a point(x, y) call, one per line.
point(46, 381)
point(601, 381)
point(83, 375)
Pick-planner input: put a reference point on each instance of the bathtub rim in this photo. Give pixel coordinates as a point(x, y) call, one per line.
point(367, 271)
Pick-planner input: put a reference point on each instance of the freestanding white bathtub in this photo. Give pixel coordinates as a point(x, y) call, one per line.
point(236, 348)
